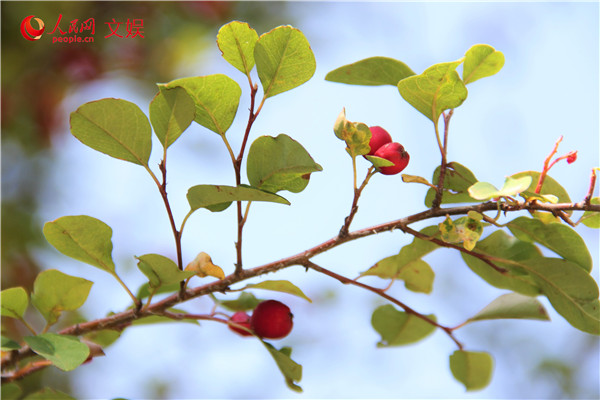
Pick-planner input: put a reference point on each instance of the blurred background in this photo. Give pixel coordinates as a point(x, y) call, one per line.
point(509, 123)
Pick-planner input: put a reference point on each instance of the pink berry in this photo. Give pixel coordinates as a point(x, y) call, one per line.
point(395, 153)
point(379, 137)
point(240, 318)
point(272, 319)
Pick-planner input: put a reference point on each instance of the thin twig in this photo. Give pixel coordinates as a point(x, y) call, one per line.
point(437, 201)
point(237, 165)
point(382, 293)
point(546, 167)
point(354, 208)
point(590, 193)
point(441, 243)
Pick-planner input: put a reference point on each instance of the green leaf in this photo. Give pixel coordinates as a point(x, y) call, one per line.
point(457, 181)
point(572, 291)
point(115, 127)
point(356, 135)
point(437, 89)
point(481, 60)
point(144, 290)
point(407, 265)
point(160, 319)
point(559, 238)
point(14, 302)
point(591, 219)
point(500, 244)
point(9, 344)
point(279, 286)
point(279, 163)
point(171, 113)
point(485, 191)
point(55, 292)
point(398, 328)
point(11, 391)
point(245, 302)
point(216, 97)
point(512, 306)
point(416, 274)
point(83, 238)
point(292, 371)
point(104, 337)
point(207, 196)
point(236, 40)
point(472, 369)
point(65, 352)
point(543, 198)
point(373, 71)
point(379, 162)
point(550, 187)
point(49, 394)
point(284, 60)
point(464, 230)
point(161, 270)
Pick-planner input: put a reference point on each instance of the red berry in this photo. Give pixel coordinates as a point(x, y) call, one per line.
point(240, 318)
point(395, 153)
point(272, 320)
point(379, 137)
point(571, 157)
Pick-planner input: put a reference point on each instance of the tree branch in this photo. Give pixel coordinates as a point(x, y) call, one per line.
point(123, 319)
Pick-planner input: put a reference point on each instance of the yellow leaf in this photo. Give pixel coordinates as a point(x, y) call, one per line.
point(203, 266)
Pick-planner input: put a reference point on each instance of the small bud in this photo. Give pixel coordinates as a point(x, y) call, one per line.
point(571, 157)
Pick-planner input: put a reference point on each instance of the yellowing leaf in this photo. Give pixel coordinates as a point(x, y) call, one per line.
point(203, 266)
point(464, 230)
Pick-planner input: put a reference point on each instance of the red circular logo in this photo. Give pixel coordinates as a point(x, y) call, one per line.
point(28, 31)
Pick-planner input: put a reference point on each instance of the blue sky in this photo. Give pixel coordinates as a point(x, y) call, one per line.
point(509, 123)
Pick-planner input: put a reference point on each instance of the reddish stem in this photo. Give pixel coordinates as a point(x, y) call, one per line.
point(547, 166)
point(237, 165)
point(382, 293)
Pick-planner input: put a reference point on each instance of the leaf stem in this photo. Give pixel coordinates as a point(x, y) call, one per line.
point(136, 301)
point(229, 149)
point(150, 296)
point(187, 216)
point(29, 327)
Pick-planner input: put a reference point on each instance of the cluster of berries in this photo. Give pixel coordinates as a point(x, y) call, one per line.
point(382, 146)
